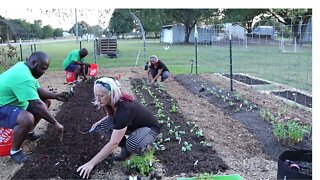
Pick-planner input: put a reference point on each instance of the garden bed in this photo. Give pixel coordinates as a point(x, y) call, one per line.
point(54, 159)
point(240, 109)
point(230, 138)
point(246, 79)
point(296, 97)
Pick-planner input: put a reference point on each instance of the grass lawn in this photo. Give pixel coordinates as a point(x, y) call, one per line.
point(263, 61)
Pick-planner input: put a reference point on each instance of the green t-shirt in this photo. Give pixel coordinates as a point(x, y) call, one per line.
point(18, 86)
point(72, 56)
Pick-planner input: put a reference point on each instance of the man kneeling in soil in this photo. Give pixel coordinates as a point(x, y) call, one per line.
point(125, 116)
point(23, 102)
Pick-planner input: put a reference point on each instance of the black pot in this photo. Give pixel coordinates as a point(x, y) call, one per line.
point(286, 166)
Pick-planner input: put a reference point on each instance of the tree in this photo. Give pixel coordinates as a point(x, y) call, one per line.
point(35, 29)
point(297, 18)
point(97, 30)
point(83, 28)
point(47, 31)
point(58, 32)
point(244, 17)
point(121, 22)
point(189, 17)
point(152, 19)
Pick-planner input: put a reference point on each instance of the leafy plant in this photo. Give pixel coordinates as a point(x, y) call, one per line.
point(7, 53)
point(279, 130)
point(174, 108)
point(267, 115)
point(296, 131)
point(186, 147)
point(289, 132)
point(199, 133)
point(140, 164)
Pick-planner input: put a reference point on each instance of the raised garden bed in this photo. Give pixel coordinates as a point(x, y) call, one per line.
point(296, 97)
point(54, 159)
point(246, 79)
point(240, 109)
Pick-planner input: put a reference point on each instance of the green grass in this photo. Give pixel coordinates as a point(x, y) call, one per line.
point(267, 62)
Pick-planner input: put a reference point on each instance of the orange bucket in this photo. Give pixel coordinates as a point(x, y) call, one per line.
point(5, 141)
point(69, 76)
point(93, 70)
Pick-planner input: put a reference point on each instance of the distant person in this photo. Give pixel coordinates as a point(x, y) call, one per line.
point(23, 102)
point(125, 116)
point(157, 69)
point(74, 62)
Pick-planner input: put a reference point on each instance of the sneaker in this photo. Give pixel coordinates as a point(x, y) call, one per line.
point(124, 154)
point(33, 136)
point(19, 157)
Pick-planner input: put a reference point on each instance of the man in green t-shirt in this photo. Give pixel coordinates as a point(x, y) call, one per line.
point(74, 62)
point(23, 102)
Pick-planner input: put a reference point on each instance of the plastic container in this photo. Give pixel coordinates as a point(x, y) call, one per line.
point(93, 70)
point(287, 171)
point(69, 76)
point(5, 141)
point(216, 177)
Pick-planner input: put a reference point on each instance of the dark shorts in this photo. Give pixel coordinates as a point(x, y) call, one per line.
point(71, 67)
point(9, 115)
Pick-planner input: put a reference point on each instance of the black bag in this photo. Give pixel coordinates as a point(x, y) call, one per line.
point(289, 169)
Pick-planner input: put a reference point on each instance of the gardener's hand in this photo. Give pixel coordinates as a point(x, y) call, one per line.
point(85, 170)
point(63, 96)
point(59, 128)
point(96, 124)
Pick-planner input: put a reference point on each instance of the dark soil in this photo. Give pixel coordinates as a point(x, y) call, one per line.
point(296, 97)
point(240, 109)
point(54, 159)
point(201, 158)
point(246, 79)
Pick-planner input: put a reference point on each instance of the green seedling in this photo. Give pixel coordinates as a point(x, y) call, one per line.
point(186, 147)
point(140, 164)
point(174, 108)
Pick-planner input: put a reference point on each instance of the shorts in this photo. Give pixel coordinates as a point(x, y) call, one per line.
point(71, 67)
point(9, 115)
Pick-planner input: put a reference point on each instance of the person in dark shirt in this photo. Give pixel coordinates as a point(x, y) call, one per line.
point(125, 116)
point(157, 68)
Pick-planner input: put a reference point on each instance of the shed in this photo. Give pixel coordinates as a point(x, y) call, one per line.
point(176, 34)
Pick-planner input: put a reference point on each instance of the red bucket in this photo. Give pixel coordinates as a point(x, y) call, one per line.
point(5, 141)
point(69, 76)
point(93, 70)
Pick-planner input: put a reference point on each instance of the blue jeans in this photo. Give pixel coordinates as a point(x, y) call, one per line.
point(165, 74)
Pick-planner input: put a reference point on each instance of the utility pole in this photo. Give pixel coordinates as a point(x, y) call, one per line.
point(76, 25)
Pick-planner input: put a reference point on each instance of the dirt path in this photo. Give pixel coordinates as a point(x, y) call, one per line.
point(236, 146)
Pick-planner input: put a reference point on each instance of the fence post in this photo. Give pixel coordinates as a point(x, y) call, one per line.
point(21, 58)
point(31, 46)
point(34, 44)
point(231, 83)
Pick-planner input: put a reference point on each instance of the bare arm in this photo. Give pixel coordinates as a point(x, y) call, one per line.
point(45, 94)
point(159, 73)
point(116, 137)
point(40, 109)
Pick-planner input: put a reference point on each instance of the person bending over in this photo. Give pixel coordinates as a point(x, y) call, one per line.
point(23, 102)
point(125, 116)
point(74, 62)
point(156, 69)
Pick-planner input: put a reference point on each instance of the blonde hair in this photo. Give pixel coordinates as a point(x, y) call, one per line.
point(153, 57)
point(110, 87)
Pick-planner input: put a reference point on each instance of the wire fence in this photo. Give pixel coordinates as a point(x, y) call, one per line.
point(271, 52)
